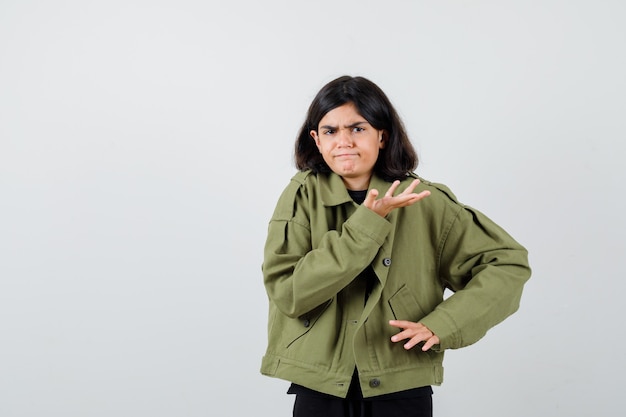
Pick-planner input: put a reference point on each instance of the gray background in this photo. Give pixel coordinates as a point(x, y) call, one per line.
point(143, 145)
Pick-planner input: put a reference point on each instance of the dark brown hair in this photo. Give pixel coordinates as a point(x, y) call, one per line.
point(395, 160)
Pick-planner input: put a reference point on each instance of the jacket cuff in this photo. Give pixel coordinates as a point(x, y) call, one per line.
point(369, 223)
point(444, 327)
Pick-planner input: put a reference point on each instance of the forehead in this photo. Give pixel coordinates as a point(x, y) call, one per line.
point(343, 115)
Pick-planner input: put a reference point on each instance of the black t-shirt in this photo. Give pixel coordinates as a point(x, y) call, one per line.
point(358, 196)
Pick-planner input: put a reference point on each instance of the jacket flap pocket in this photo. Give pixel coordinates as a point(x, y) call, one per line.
point(303, 324)
point(404, 306)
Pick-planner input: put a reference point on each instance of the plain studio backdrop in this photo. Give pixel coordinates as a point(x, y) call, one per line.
point(143, 145)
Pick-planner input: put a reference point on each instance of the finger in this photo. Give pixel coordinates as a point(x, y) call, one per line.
point(411, 199)
point(420, 196)
point(414, 341)
point(401, 324)
point(409, 330)
point(403, 335)
point(370, 198)
point(411, 187)
point(423, 194)
point(432, 341)
point(392, 189)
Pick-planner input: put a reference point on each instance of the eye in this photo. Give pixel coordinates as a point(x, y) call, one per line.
point(328, 132)
point(357, 129)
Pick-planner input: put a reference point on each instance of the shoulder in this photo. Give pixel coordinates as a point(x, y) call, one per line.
point(443, 204)
point(300, 180)
point(439, 193)
point(297, 188)
point(302, 177)
point(303, 182)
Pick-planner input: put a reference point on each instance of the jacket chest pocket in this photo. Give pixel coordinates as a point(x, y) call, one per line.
point(404, 306)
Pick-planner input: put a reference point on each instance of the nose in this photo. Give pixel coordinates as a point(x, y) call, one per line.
point(344, 138)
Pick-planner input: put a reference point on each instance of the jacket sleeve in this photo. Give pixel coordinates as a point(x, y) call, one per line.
point(487, 269)
point(298, 276)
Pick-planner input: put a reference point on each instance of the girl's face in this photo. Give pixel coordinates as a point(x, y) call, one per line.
point(349, 145)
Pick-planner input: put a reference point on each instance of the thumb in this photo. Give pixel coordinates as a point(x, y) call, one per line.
point(370, 198)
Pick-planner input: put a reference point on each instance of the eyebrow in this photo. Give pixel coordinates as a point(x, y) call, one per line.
point(351, 125)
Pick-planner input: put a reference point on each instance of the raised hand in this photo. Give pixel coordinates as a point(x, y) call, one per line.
point(388, 202)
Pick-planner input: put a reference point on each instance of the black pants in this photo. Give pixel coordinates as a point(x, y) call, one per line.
point(321, 406)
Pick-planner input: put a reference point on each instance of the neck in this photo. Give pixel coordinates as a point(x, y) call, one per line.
point(356, 184)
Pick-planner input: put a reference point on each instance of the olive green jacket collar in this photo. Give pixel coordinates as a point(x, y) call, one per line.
point(334, 191)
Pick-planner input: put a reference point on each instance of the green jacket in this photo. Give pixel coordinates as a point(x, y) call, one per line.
point(319, 326)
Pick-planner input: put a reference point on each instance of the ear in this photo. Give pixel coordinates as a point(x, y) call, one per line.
point(316, 138)
point(382, 139)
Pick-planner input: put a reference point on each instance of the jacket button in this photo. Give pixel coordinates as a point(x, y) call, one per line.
point(306, 323)
point(374, 382)
point(387, 261)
